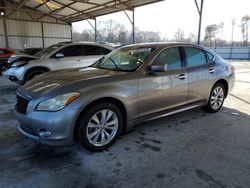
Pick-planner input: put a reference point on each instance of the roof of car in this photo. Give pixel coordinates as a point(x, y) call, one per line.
point(161, 44)
point(32, 48)
point(89, 43)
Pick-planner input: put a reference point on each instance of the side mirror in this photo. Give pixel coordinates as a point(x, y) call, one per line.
point(158, 68)
point(59, 55)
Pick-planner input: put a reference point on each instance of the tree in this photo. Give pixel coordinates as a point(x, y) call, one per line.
point(113, 32)
point(244, 29)
point(232, 34)
point(179, 35)
point(192, 38)
point(210, 34)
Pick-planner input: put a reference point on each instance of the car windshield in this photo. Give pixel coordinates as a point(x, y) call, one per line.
point(48, 50)
point(125, 59)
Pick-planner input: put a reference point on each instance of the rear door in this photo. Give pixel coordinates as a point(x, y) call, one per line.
point(201, 73)
point(159, 91)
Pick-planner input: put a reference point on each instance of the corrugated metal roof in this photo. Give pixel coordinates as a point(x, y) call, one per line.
point(76, 10)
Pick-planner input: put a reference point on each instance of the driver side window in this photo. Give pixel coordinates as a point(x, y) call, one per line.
point(170, 58)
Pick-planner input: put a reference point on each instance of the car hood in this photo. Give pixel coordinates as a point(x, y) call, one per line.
point(20, 55)
point(56, 80)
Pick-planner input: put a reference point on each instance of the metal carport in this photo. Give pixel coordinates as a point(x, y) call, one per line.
point(40, 23)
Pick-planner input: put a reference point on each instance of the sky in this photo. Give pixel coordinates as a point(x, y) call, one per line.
point(170, 15)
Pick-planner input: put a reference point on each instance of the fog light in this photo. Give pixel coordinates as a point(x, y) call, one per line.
point(44, 133)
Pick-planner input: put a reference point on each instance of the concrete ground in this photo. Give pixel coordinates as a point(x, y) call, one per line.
point(190, 149)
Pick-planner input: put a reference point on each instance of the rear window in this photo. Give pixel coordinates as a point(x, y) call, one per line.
point(210, 57)
point(195, 57)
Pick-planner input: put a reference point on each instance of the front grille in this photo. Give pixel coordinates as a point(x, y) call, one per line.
point(21, 104)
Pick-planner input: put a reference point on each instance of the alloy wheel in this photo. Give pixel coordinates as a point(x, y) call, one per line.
point(102, 127)
point(217, 98)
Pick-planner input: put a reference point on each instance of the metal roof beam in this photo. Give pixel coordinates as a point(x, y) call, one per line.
point(63, 6)
point(31, 10)
point(22, 3)
point(44, 3)
point(129, 7)
point(103, 5)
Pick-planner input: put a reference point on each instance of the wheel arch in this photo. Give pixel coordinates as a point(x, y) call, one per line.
point(224, 83)
point(45, 69)
point(112, 100)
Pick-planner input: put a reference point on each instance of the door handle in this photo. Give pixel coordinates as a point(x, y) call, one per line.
point(211, 71)
point(182, 76)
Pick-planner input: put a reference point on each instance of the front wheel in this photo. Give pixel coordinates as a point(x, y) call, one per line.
point(100, 127)
point(32, 74)
point(216, 98)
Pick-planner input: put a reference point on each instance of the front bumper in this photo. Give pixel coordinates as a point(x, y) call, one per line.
point(15, 74)
point(60, 125)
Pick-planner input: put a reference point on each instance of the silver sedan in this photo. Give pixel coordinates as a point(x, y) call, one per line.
point(133, 84)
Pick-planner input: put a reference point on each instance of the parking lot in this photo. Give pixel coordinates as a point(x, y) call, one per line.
point(189, 149)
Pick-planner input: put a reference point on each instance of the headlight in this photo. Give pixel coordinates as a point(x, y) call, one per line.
point(19, 63)
point(57, 103)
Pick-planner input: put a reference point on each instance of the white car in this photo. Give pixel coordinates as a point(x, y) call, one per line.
point(63, 55)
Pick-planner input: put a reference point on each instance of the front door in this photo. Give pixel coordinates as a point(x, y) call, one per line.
point(159, 91)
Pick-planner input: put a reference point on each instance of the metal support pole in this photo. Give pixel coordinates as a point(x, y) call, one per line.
point(200, 10)
point(94, 27)
point(43, 42)
point(249, 53)
point(5, 33)
point(71, 32)
point(133, 24)
point(95, 30)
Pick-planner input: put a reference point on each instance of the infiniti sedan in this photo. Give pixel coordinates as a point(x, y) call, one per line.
point(133, 84)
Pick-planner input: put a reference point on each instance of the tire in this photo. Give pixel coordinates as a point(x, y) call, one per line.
point(89, 126)
point(216, 101)
point(32, 74)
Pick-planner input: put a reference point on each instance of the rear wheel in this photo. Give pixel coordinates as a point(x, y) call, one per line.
point(100, 127)
point(216, 98)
